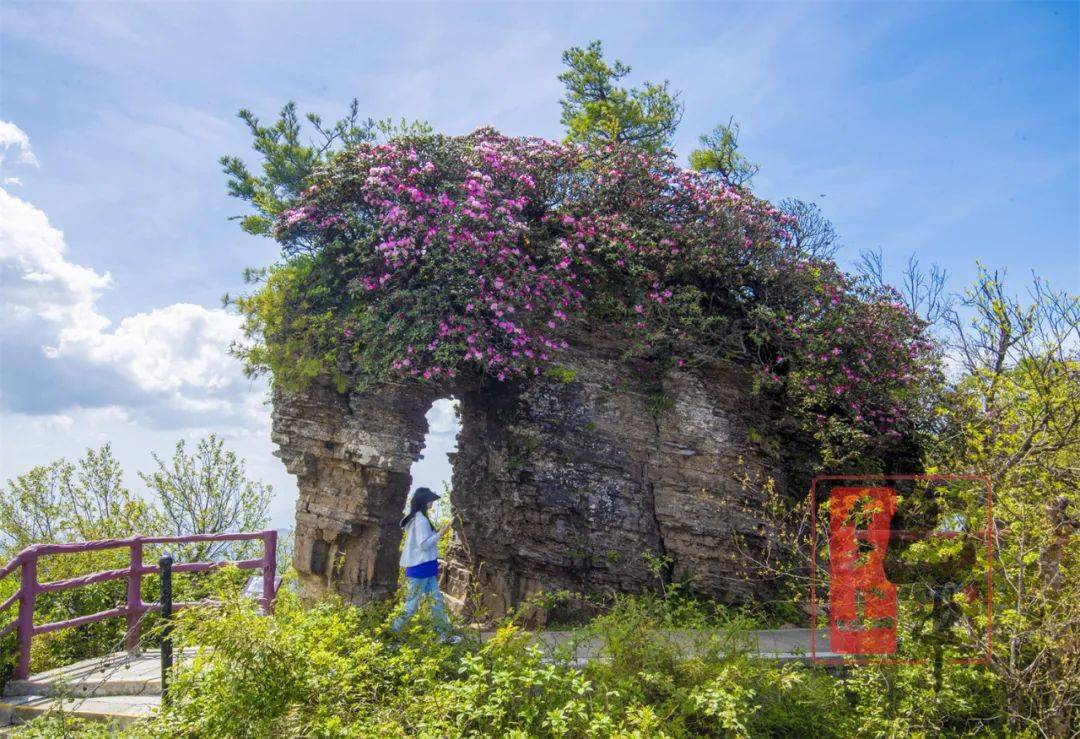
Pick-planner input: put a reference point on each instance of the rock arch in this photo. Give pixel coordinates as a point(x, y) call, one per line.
point(564, 481)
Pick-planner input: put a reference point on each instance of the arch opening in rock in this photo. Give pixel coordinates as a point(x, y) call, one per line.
point(433, 467)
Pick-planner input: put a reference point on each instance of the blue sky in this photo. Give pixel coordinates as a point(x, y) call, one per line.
point(947, 130)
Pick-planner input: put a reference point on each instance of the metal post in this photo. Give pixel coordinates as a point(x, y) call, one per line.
point(27, 596)
point(269, 570)
point(165, 563)
point(134, 597)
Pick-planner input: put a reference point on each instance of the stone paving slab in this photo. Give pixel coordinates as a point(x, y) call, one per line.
point(115, 674)
point(782, 644)
point(119, 709)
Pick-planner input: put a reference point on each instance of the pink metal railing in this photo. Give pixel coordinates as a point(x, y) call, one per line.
point(134, 608)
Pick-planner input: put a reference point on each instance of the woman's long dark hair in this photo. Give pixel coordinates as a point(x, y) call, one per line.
point(421, 497)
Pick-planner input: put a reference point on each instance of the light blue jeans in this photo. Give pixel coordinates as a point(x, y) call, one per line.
point(419, 587)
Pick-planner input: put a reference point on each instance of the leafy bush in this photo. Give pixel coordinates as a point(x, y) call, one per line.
point(336, 670)
point(60, 724)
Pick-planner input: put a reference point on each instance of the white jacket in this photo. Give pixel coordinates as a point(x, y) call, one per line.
point(421, 542)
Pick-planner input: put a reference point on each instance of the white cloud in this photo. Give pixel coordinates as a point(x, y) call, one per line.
point(174, 358)
point(442, 417)
point(180, 350)
point(52, 422)
point(38, 279)
point(13, 137)
point(73, 379)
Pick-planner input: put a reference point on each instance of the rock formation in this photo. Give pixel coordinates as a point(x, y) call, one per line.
point(571, 480)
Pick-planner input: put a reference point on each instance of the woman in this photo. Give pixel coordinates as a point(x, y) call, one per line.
point(420, 560)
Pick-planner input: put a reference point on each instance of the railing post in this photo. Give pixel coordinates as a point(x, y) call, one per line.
point(134, 597)
point(27, 596)
point(166, 563)
point(269, 569)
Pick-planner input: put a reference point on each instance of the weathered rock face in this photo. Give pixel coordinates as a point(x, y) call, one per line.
point(351, 457)
point(571, 481)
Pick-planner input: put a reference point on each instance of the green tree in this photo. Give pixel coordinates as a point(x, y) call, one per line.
point(208, 492)
point(1014, 415)
point(720, 153)
point(62, 501)
point(102, 506)
point(287, 159)
point(32, 508)
point(597, 111)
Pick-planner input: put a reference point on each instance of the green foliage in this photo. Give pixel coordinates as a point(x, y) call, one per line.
point(289, 320)
point(287, 161)
point(659, 403)
point(562, 374)
point(720, 153)
point(1011, 412)
point(854, 361)
point(597, 111)
point(334, 670)
point(1014, 414)
point(207, 492)
point(62, 502)
point(520, 446)
point(60, 724)
point(204, 492)
point(668, 665)
point(900, 700)
point(70, 502)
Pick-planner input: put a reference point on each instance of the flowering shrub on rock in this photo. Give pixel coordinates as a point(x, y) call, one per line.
point(855, 362)
point(428, 256)
point(445, 252)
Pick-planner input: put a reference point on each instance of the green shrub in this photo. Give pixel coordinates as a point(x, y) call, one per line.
point(560, 373)
point(61, 724)
point(336, 670)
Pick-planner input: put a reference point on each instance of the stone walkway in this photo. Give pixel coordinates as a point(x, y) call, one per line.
point(781, 644)
point(121, 688)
